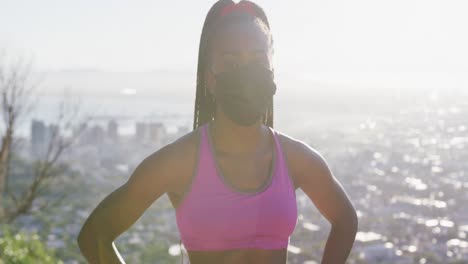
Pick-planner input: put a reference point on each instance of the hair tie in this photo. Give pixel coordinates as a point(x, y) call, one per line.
point(246, 7)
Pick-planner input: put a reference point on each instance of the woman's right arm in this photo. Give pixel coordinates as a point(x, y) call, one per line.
point(119, 210)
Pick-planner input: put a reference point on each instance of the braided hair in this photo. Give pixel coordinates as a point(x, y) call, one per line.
point(204, 102)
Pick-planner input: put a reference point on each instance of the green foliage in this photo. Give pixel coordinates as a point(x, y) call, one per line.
point(21, 248)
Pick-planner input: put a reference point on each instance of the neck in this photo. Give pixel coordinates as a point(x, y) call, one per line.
point(234, 139)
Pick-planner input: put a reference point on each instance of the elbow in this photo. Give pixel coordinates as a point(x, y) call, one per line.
point(354, 221)
point(87, 236)
point(90, 234)
point(349, 222)
point(82, 238)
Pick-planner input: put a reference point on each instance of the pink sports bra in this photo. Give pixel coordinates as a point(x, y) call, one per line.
point(215, 215)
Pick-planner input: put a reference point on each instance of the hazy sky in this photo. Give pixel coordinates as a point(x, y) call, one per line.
point(362, 40)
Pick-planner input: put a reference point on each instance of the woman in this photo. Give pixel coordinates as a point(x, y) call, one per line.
point(232, 180)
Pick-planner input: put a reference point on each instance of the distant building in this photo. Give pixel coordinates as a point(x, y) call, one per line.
point(112, 130)
point(39, 138)
point(140, 131)
point(182, 130)
point(151, 133)
point(92, 135)
point(156, 132)
point(96, 134)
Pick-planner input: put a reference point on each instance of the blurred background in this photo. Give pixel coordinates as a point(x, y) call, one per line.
point(90, 88)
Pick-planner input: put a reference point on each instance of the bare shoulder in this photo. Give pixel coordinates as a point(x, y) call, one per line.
point(179, 158)
point(302, 159)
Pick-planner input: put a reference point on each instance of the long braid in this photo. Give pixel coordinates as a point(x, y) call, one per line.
point(205, 106)
point(204, 103)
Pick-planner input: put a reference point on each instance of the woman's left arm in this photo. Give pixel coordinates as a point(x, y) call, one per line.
point(313, 175)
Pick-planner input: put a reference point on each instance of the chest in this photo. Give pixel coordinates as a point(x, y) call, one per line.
point(217, 216)
point(246, 174)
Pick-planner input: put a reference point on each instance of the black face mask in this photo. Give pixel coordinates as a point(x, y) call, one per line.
point(245, 92)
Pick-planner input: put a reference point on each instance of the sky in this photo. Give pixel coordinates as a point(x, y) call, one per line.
point(416, 42)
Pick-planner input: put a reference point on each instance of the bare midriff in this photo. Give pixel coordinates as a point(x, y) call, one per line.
point(236, 256)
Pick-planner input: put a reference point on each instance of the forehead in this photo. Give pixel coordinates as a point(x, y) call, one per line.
point(241, 36)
